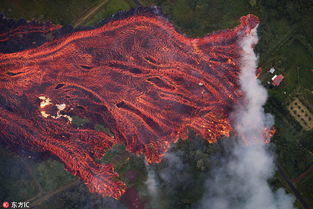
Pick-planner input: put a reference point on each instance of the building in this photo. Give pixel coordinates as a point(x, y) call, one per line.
point(277, 79)
point(272, 70)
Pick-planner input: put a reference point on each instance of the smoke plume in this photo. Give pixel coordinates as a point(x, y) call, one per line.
point(176, 172)
point(239, 181)
point(163, 184)
point(152, 186)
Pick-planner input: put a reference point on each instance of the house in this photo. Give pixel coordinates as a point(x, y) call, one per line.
point(277, 79)
point(272, 70)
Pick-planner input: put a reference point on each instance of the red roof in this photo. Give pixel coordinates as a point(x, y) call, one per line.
point(277, 80)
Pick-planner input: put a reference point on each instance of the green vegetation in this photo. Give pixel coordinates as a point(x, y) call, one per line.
point(277, 182)
point(125, 162)
point(79, 121)
point(22, 178)
point(51, 174)
point(306, 188)
point(194, 155)
point(59, 11)
point(63, 11)
point(198, 17)
point(110, 155)
point(110, 8)
point(99, 127)
point(16, 180)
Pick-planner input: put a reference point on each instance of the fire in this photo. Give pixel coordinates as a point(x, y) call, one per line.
point(268, 134)
point(137, 75)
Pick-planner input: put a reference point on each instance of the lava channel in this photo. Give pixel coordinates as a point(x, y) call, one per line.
point(134, 73)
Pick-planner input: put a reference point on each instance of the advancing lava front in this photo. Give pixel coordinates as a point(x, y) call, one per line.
point(134, 74)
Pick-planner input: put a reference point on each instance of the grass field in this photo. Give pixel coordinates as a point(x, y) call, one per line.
point(306, 188)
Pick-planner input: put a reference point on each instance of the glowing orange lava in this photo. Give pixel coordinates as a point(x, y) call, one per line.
point(137, 76)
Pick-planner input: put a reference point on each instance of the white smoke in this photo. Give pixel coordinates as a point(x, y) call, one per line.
point(152, 186)
point(175, 172)
point(240, 181)
point(163, 184)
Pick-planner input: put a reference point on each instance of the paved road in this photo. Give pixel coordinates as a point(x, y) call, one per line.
point(292, 187)
point(44, 198)
point(303, 175)
point(91, 12)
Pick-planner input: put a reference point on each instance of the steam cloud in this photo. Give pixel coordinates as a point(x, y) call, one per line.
point(167, 179)
point(176, 172)
point(240, 181)
point(152, 185)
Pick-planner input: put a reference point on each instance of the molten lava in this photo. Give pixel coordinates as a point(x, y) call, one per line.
point(135, 75)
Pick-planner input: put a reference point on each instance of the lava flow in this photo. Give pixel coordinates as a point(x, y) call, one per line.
point(134, 74)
